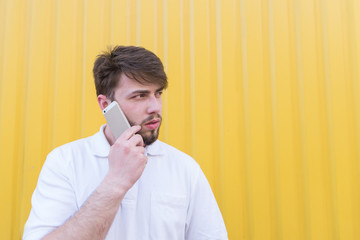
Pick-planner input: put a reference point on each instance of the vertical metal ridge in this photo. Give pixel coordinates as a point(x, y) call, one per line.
point(49, 86)
point(246, 105)
point(20, 133)
point(212, 61)
point(45, 121)
point(208, 30)
point(3, 28)
point(56, 71)
point(138, 22)
point(220, 96)
point(274, 133)
point(83, 70)
point(192, 79)
point(321, 77)
point(26, 92)
point(349, 47)
point(76, 127)
point(182, 58)
point(18, 166)
point(101, 18)
point(165, 33)
point(112, 22)
point(155, 25)
point(128, 23)
point(304, 166)
point(165, 49)
point(265, 54)
point(208, 27)
point(329, 122)
point(302, 124)
point(3, 40)
point(354, 63)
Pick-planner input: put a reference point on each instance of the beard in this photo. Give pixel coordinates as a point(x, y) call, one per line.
point(148, 136)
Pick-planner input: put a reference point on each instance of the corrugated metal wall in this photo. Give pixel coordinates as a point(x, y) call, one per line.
point(265, 94)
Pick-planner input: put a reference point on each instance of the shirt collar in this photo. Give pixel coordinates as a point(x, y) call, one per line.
point(101, 147)
point(155, 149)
point(99, 144)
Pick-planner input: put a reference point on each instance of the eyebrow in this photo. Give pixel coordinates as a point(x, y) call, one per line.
point(160, 89)
point(145, 91)
point(139, 91)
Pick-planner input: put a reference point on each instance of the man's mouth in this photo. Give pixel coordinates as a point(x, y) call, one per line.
point(153, 124)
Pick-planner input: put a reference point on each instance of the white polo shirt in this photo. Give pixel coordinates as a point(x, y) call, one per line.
point(171, 200)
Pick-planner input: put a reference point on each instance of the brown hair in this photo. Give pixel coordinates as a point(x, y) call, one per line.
point(135, 62)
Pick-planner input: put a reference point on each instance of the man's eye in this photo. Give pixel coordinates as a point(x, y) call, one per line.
point(158, 94)
point(139, 96)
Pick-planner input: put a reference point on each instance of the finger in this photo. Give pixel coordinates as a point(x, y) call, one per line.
point(136, 140)
point(143, 158)
point(129, 133)
point(140, 150)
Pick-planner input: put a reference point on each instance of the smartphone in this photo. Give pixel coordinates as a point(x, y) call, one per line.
point(116, 119)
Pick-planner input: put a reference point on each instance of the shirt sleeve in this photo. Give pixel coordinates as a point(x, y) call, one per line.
point(204, 219)
point(53, 201)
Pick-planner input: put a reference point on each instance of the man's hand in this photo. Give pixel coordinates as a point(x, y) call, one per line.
point(127, 159)
point(126, 164)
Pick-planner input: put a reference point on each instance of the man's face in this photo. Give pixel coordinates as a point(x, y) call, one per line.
point(142, 105)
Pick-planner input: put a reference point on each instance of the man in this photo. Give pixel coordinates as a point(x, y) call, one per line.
point(133, 187)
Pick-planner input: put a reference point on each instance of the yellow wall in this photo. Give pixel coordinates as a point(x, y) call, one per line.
point(264, 94)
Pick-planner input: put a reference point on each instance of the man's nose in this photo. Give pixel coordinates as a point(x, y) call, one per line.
point(154, 105)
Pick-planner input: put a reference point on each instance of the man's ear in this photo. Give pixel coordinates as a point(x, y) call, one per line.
point(103, 101)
